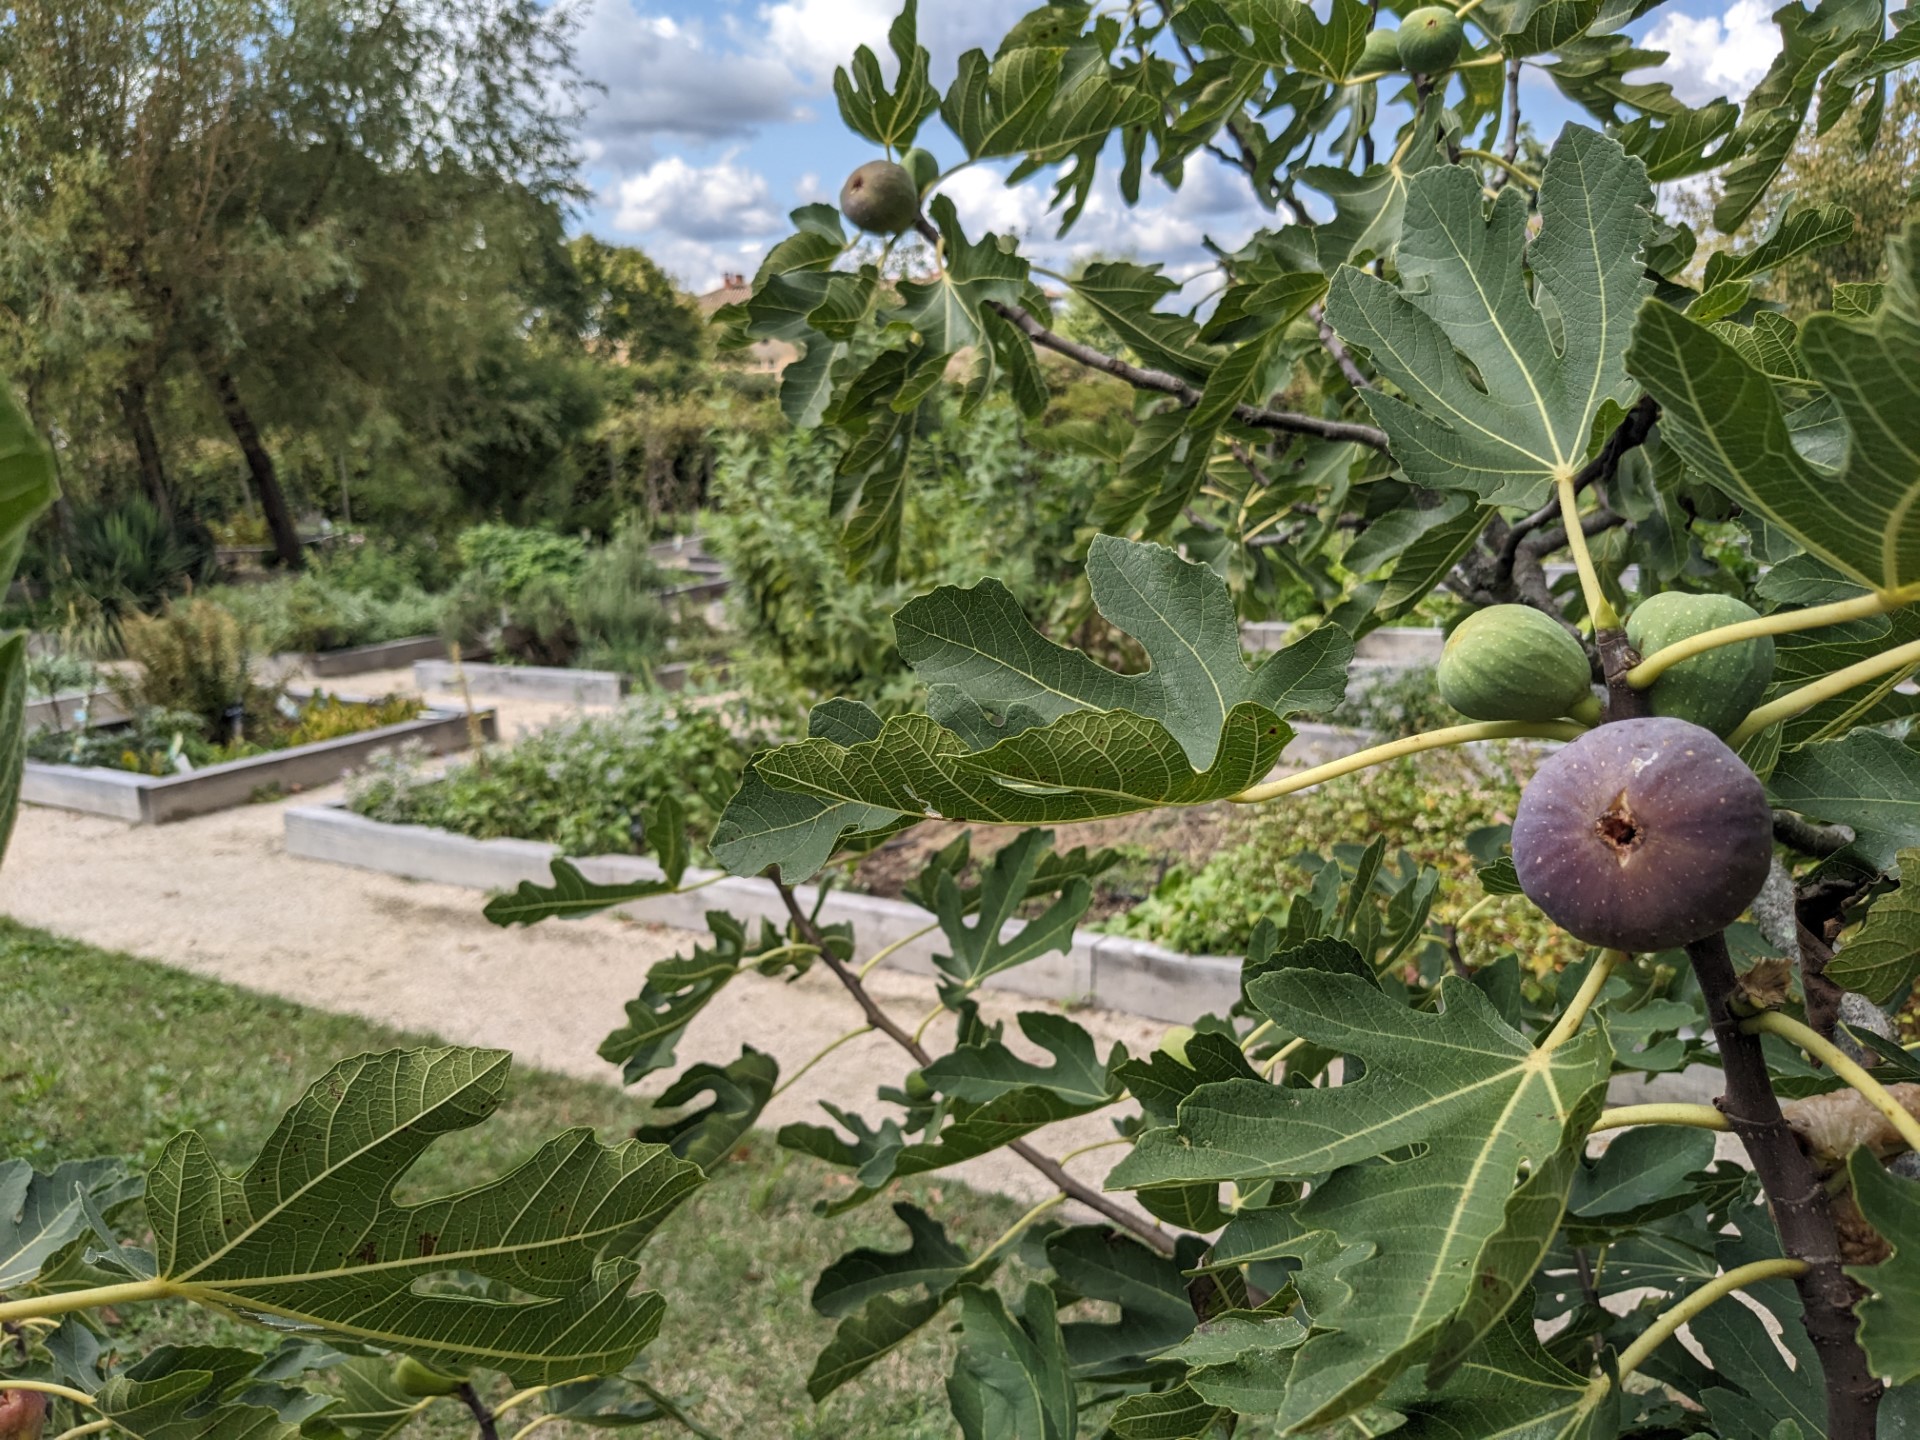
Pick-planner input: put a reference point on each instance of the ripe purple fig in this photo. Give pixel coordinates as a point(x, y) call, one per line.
point(1643, 835)
point(23, 1414)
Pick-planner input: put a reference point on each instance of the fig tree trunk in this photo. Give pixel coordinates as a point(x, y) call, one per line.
point(273, 501)
point(146, 446)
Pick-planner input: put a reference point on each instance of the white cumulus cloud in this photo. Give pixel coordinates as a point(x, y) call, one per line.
point(661, 76)
point(1714, 55)
point(717, 202)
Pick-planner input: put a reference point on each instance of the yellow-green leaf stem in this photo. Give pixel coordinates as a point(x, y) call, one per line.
point(818, 1056)
point(1700, 1117)
point(1273, 1061)
point(1411, 745)
point(92, 1427)
point(1590, 988)
point(1825, 688)
point(48, 1387)
point(68, 1301)
point(1599, 609)
point(1718, 1288)
point(886, 950)
point(1781, 622)
point(1096, 1145)
point(1843, 1065)
point(1532, 182)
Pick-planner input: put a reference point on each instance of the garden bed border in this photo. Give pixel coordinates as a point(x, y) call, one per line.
point(158, 799)
point(382, 655)
point(556, 684)
point(1108, 971)
point(1112, 972)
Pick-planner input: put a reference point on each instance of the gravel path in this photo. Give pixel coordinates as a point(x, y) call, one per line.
point(219, 896)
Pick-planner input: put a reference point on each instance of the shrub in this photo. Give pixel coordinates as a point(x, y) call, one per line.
point(985, 502)
point(60, 672)
point(1424, 806)
point(621, 621)
point(579, 784)
point(515, 593)
point(1393, 701)
point(512, 558)
point(191, 658)
point(314, 612)
point(122, 555)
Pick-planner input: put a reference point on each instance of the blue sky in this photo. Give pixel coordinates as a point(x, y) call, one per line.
point(717, 118)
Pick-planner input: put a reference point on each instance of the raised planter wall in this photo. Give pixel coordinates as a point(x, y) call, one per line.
point(1104, 970)
point(525, 682)
point(157, 799)
point(63, 711)
point(1393, 645)
point(387, 655)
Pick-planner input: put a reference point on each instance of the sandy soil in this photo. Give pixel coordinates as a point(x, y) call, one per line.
point(219, 896)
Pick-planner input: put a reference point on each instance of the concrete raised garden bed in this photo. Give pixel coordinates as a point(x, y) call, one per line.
point(386, 655)
point(524, 682)
point(157, 799)
point(1104, 970)
point(1389, 645)
point(64, 711)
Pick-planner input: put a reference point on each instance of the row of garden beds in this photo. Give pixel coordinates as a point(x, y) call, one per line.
point(143, 799)
point(1111, 972)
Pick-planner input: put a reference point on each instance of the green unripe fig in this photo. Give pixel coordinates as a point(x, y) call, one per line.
point(881, 198)
point(1382, 54)
point(23, 1414)
point(917, 1086)
point(922, 167)
point(410, 1377)
point(1717, 688)
point(1430, 39)
point(1511, 662)
point(1174, 1043)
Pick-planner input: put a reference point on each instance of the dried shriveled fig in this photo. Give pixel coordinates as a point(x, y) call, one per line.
point(1643, 835)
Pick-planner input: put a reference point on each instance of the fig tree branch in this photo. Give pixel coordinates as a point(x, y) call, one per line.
point(1798, 1200)
point(1330, 342)
point(888, 1026)
point(1512, 148)
point(482, 1417)
point(1160, 382)
point(1798, 833)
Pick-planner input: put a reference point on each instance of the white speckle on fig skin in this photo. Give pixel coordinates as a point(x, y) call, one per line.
point(1698, 841)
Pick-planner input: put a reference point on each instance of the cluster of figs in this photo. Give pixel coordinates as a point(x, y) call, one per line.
point(1642, 834)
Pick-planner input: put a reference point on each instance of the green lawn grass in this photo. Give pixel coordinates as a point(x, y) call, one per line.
point(103, 1053)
